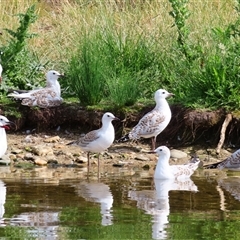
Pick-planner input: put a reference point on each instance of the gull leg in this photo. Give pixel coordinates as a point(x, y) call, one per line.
point(98, 166)
point(88, 157)
point(153, 143)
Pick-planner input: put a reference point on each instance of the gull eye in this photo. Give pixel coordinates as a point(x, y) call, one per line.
point(160, 150)
point(54, 73)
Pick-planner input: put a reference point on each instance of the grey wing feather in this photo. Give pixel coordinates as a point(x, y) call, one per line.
point(88, 138)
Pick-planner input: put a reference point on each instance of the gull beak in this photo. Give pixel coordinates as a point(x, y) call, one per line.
point(8, 125)
point(0, 79)
point(170, 94)
point(116, 119)
point(61, 75)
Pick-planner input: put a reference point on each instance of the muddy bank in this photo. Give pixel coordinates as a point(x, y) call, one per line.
point(27, 151)
point(187, 127)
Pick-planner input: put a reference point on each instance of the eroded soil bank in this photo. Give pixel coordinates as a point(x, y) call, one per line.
point(187, 127)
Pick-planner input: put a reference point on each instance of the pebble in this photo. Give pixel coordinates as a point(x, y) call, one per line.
point(81, 159)
point(40, 162)
point(52, 139)
point(42, 150)
point(141, 158)
point(178, 154)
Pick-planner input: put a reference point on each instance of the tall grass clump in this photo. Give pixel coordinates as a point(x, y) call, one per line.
point(85, 72)
point(21, 66)
point(114, 65)
point(130, 59)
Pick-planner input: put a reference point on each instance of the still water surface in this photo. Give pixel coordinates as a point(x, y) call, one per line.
point(123, 204)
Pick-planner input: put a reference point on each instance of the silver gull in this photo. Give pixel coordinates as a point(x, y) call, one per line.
point(4, 124)
point(165, 171)
point(50, 96)
point(98, 140)
point(154, 122)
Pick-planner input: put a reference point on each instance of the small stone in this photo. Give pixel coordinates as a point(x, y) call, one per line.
point(81, 159)
point(29, 156)
point(40, 162)
point(42, 150)
point(178, 154)
point(141, 158)
point(52, 139)
point(118, 165)
point(52, 161)
point(20, 156)
point(16, 151)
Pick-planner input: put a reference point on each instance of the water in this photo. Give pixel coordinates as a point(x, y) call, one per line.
point(124, 204)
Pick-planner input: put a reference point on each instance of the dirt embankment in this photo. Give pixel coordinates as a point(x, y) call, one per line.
point(187, 127)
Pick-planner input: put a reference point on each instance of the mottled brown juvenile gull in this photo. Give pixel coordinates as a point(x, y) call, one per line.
point(4, 125)
point(154, 122)
point(232, 162)
point(165, 171)
point(98, 140)
point(50, 96)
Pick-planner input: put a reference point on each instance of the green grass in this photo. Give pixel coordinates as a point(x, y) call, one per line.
point(116, 52)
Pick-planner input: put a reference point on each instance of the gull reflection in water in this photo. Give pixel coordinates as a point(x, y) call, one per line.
point(157, 204)
point(99, 193)
point(231, 185)
point(3, 192)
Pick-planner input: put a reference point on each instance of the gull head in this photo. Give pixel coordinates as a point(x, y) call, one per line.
point(5, 123)
point(162, 151)
point(108, 117)
point(53, 76)
point(162, 93)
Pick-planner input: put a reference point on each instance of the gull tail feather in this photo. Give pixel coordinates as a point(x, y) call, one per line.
point(72, 143)
point(125, 138)
point(19, 95)
point(211, 166)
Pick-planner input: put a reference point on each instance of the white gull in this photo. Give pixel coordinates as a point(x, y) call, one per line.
point(50, 96)
point(154, 122)
point(232, 162)
point(165, 171)
point(1, 69)
point(98, 140)
point(4, 124)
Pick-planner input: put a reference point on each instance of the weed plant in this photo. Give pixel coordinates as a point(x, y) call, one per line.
point(21, 66)
point(120, 51)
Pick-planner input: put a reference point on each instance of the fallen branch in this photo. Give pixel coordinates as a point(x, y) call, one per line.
point(226, 122)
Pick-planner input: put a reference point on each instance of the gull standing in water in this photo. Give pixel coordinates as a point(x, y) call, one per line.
point(154, 122)
point(98, 140)
point(4, 125)
point(50, 96)
point(165, 171)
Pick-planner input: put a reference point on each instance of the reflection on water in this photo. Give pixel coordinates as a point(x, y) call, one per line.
point(156, 202)
point(100, 193)
point(2, 199)
point(65, 204)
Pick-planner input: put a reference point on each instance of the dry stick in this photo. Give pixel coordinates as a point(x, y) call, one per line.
point(227, 120)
